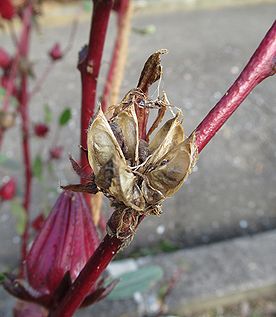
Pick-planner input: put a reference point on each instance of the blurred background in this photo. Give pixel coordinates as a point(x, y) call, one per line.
point(216, 240)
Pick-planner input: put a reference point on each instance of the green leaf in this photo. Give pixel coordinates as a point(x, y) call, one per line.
point(87, 5)
point(48, 115)
point(20, 215)
point(2, 92)
point(136, 281)
point(37, 168)
point(147, 30)
point(2, 277)
point(65, 117)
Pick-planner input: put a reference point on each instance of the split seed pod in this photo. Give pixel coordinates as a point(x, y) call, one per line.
point(114, 157)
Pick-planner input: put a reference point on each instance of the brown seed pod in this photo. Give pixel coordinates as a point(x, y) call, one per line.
point(122, 224)
point(7, 119)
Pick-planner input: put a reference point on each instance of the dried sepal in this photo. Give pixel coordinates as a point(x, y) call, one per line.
point(152, 70)
point(124, 187)
point(166, 139)
point(163, 104)
point(101, 143)
point(152, 195)
point(127, 120)
point(175, 167)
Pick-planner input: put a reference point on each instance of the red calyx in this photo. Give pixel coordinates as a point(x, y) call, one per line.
point(5, 59)
point(8, 190)
point(56, 152)
point(7, 9)
point(41, 130)
point(55, 52)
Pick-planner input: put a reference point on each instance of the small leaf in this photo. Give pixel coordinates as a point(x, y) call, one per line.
point(65, 117)
point(136, 281)
point(48, 115)
point(147, 30)
point(2, 277)
point(20, 216)
point(87, 5)
point(38, 167)
point(2, 92)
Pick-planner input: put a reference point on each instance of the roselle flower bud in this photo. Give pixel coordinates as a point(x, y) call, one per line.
point(5, 59)
point(41, 129)
point(7, 10)
point(8, 189)
point(66, 241)
point(55, 53)
point(56, 152)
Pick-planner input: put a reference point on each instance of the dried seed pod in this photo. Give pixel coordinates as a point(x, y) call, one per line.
point(7, 119)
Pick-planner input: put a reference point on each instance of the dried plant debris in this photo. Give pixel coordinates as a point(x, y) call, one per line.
point(138, 175)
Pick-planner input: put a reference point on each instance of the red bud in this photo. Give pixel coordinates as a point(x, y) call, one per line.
point(55, 53)
point(56, 152)
point(7, 10)
point(5, 59)
point(41, 129)
point(65, 243)
point(38, 222)
point(8, 189)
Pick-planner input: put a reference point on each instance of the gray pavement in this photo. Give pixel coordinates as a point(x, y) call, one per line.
point(212, 276)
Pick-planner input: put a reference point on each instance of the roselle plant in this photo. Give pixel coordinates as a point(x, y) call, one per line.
point(120, 159)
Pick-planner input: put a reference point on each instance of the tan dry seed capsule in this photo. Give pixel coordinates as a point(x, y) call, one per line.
point(139, 187)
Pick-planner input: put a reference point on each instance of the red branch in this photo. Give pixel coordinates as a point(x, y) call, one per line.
point(88, 276)
point(24, 113)
point(260, 66)
point(89, 66)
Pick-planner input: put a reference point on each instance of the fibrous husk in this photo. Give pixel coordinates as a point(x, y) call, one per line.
point(166, 139)
point(128, 123)
point(173, 168)
point(101, 143)
point(124, 187)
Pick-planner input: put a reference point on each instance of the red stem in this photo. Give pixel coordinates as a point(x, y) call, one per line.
point(88, 276)
point(90, 66)
point(261, 65)
point(24, 113)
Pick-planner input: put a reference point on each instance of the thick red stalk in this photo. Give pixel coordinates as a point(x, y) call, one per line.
point(261, 65)
point(90, 66)
point(24, 113)
point(88, 276)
